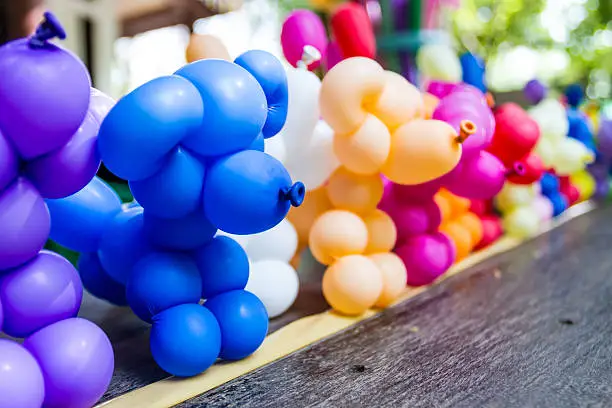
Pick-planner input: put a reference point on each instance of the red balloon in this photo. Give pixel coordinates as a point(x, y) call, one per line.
point(531, 167)
point(491, 230)
point(481, 207)
point(353, 31)
point(569, 191)
point(516, 134)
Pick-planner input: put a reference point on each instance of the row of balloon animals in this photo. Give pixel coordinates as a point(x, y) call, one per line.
point(398, 185)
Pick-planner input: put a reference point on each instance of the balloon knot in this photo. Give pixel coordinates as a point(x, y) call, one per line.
point(295, 194)
point(517, 169)
point(466, 129)
point(310, 55)
point(490, 100)
point(48, 29)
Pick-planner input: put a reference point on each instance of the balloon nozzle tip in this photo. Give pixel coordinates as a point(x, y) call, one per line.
point(466, 129)
point(48, 29)
point(295, 194)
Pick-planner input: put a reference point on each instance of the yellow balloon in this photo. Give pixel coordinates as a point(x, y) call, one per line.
point(365, 150)
point(422, 150)
point(346, 89)
point(545, 149)
point(203, 46)
point(337, 233)
point(439, 62)
point(585, 183)
point(399, 103)
point(571, 156)
point(353, 192)
point(515, 195)
point(382, 233)
point(522, 222)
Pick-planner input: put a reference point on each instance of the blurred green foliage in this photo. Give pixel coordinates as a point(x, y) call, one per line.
point(490, 26)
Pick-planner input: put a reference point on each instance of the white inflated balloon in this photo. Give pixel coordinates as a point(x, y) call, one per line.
point(243, 240)
point(278, 243)
point(275, 283)
point(317, 162)
point(551, 117)
point(571, 156)
point(439, 62)
point(275, 147)
point(99, 104)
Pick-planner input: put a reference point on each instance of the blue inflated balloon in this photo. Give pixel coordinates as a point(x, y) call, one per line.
point(258, 144)
point(249, 192)
point(580, 129)
point(235, 107)
point(223, 265)
point(185, 340)
point(243, 321)
point(147, 124)
point(174, 191)
point(78, 221)
point(123, 244)
point(98, 282)
point(559, 203)
point(549, 184)
point(185, 233)
point(271, 75)
point(160, 281)
point(574, 94)
point(474, 70)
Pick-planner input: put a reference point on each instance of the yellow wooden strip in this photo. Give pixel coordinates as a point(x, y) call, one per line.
point(293, 337)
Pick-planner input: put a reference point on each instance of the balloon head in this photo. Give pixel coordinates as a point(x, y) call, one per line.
point(48, 29)
point(294, 194)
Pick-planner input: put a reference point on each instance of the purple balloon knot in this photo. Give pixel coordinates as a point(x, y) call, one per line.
point(294, 194)
point(47, 30)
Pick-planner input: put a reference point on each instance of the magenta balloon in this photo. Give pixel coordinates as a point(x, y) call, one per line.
point(415, 219)
point(462, 105)
point(77, 362)
point(9, 164)
point(481, 177)
point(69, 169)
point(416, 193)
point(426, 257)
point(41, 292)
point(301, 28)
point(441, 89)
point(21, 379)
point(24, 224)
point(333, 55)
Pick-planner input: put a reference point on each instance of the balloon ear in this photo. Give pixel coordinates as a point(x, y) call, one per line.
point(271, 75)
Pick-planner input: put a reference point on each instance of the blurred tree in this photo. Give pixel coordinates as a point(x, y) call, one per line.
point(582, 29)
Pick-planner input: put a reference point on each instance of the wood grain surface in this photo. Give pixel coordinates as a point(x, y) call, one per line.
point(529, 328)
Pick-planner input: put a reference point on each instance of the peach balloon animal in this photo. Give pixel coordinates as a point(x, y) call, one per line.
point(379, 125)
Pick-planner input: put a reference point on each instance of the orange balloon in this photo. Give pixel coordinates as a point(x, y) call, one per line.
point(458, 205)
point(394, 276)
point(382, 233)
point(352, 284)
point(337, 233)
point(431, 103)
point(444, 206)
point(365, 150)
point(421, 151)
point(346, 89)
point(297, 258)
point(354, 192)
point(399, 103)
point(203, 46)
point(461, 237)
point(315, 203)
point(472, 223)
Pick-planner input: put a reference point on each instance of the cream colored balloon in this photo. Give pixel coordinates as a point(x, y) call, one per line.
point(552, 119)
point(439, 62)
point(204, 46)
point(571, 156)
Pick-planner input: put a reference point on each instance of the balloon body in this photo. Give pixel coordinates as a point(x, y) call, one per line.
point(585, 183)
point(549, 184)
point(278, 243)
point(522, 222)
point(543, 207)
point(439, 62)
point(204, 46)
point(353, 31)
point(426, 257)
point(337, 233)
point(183, 234)
point(333, 55)
point(382, 233)
point(559, 203)
point(551, 117)
point(535, 91)
point(479, 178)
point(80, 219)
point(185, 340)
point(99, 105)
point(352, 192)
point(43, 291)
point(491, 230)
point(9, 165)
point(223, 266)
point(303, 217)
point(462, 238)
point(243, 321)
point(44, 94)
point(303, 28)
point(394, 277)
point(415, 219)
point(604, 138)
point(473, 69)
point(77, 362)
point(240, 200)
point(571, 156)
point(472, 223)
point(399, 102)
point(515, 195)
point(98, 282)
point(21, 380)
point(516, 134)
point(67, 170)
point(532, 169)
point(160, 281)
point(352, 284)
point(24, 222)
point(275, 283)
